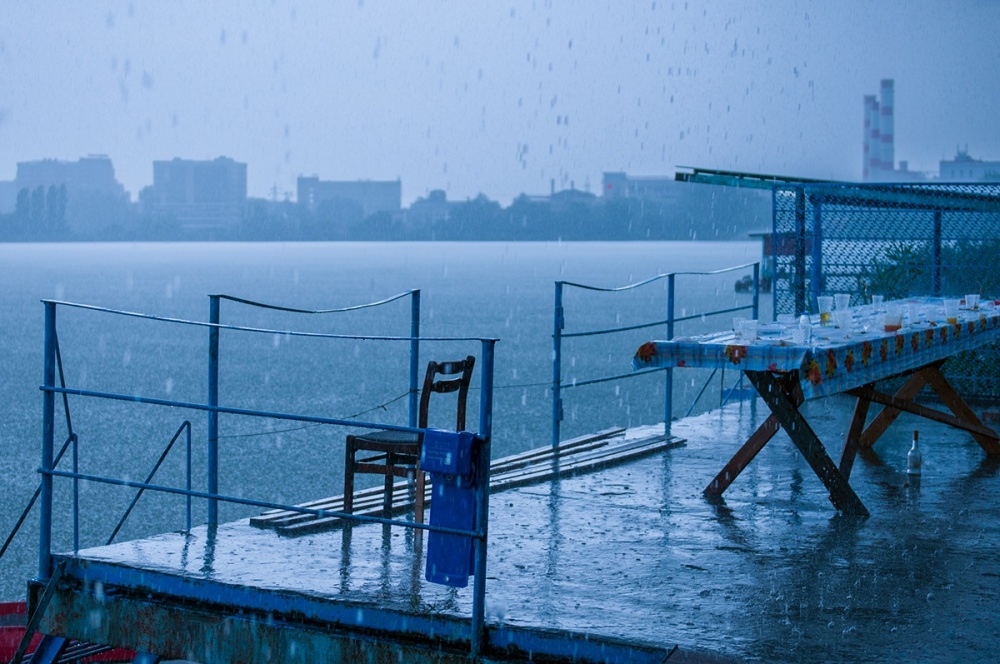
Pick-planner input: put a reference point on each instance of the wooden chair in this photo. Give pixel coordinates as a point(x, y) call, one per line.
point(398, 452)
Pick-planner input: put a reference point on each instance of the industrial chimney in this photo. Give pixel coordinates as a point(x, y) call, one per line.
point(888, 155)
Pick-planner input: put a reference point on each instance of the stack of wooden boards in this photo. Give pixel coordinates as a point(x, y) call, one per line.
point(572, 457)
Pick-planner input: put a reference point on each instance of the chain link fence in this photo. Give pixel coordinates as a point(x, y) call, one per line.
point(894, 240)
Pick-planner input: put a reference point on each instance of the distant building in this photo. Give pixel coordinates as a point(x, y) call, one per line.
point(964, 168)
point(86, 190)
point(197, 195)
point(616, 185)
point(371, 196)
point(427, 211)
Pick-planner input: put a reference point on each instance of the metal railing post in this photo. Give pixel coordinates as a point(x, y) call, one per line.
point(482, 496)
point(213, 416)
point(668, 379)
point(756, 291)
point(414, 353)
point(187, 498)
point(76, 495)
point(799, 269)
point(558, 323)
point(936, 255)
point(816, 277)
point(48, 442)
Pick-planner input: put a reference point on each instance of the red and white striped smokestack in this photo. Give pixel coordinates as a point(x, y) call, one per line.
point(866, 173)
point(888, 153)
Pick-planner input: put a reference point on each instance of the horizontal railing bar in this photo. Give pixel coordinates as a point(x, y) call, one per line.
point(230, 410)
point(641, 326)
point(656, 278)
point(259, 503)
point(592, 381)
point(259, 330)
point(263, 305)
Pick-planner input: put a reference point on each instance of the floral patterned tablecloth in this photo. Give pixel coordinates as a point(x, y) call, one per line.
point(836, 360)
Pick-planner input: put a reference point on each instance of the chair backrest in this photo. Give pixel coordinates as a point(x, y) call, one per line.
point(458, 376)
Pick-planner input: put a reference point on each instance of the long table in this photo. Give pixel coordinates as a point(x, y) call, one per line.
point(850, 360)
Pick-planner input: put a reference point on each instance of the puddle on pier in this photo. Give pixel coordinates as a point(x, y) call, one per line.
point(770, 573)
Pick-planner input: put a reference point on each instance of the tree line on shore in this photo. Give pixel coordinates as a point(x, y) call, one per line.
point(700, 213)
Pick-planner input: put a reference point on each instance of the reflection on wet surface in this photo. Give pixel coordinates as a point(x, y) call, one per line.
point(769, 572)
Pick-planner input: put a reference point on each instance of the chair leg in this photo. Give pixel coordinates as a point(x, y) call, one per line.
point(390, 466)
point(418, 501)
point(349, 475)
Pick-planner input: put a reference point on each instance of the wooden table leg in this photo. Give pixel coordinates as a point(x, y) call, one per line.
point(853, 440)
point(907, 392)
point(755, 443)
point(778, 394)
point(957, 405)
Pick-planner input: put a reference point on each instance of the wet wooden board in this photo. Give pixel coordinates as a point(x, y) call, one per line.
point(585, 454)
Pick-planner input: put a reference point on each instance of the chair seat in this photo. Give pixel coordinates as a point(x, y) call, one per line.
point(402, 442)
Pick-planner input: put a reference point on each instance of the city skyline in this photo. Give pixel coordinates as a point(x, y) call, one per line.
point(498, 99)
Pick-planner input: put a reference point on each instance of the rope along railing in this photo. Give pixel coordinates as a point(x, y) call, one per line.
point(559, 324)
point(212, 407)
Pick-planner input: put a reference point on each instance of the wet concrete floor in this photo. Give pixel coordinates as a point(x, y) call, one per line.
point(771, 573)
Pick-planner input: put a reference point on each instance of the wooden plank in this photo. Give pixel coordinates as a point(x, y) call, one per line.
point(986, 437)
point(907, 392)
point(577, 456)
point(565, 446)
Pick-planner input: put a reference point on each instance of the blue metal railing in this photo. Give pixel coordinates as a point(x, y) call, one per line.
point(213, 408)
point(559, 324)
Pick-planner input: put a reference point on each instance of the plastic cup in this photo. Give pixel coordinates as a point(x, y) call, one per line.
point(972, 301)
point(914, 312)
point(877, 301)
point(951, 311)
point(825, 304)
point(799, 335)
point(893, 319)
point(738, 323)
point(842, 300)
point(749, 330)
point(842, 319)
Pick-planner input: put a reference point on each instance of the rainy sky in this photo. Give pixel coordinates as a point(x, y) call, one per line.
point(492, 97)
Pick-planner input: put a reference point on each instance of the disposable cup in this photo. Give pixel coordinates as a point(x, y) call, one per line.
point(799, 335)
point(842, 300)
point(842, 319)
point(749, 330)
point(877, 301)
point(914, 312)
point(893, 319)
point(951, 311)
point(738, 323)
point(972, 301)
point(825, 304)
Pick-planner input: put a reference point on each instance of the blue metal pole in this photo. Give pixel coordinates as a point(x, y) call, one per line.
point(936, 255)
point(213, 416)
point(816, 278)
point(483, 495)
point(48, 441)
point(414, 353)
point(668, 381)
point(756, 291)
point(187, 519)
point(76, 495)
point(558, 323)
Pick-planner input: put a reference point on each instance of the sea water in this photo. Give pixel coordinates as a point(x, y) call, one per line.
point(501, 290)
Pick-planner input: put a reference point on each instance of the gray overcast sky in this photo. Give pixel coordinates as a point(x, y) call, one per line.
point(492, 97)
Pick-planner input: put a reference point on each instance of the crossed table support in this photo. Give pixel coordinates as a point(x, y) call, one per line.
point(783, 395)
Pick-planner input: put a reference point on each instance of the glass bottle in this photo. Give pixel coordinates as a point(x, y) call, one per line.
point(914, 460)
